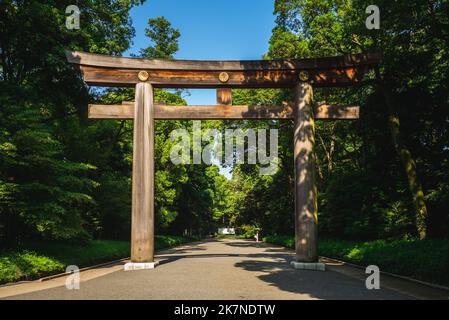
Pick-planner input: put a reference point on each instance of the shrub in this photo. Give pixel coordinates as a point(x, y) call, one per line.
point(426, 260)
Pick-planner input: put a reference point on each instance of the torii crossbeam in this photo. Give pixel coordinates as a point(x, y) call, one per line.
point(145, 74)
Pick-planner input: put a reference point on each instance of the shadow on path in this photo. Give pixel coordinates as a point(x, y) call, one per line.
point(230, 269)
point(164, 259)
point(321, 285)
point(244, 244)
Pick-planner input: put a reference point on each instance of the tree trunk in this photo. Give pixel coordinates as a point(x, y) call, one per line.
point(409, 165)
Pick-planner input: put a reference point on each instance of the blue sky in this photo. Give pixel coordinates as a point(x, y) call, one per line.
point(210, 30)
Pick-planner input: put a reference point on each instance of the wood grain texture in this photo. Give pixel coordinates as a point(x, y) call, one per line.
point(224, 96)
point(334, 77)
point(305, 188)
point(119, 112)
point(344, 61)
point(100, 70)
point(142, 217)
point(163, 112)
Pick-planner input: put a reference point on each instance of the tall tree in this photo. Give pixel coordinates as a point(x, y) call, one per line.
point(392, 175)
point(47, 182)
point(164, 38)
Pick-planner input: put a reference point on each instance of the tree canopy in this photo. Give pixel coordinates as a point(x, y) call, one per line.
point(63, 177)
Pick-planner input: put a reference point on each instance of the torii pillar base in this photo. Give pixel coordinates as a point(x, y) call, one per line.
point(314, 266)
point(131, 266)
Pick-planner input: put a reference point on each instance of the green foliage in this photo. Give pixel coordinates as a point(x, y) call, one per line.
point(286, 241)
point(366, 189)
point(40, 259)
point(363, 193)
point(162, 241)
point(426, 260)
point(26, 265)
point(164, 38)
point(247, 231)
point(265, 201)
point(48, 172)
point(63, 178)
point(223, 210)
point(361, 206)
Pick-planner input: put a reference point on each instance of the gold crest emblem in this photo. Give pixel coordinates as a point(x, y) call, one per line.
point(223, 77)
point(143, 76)
point(303, 76)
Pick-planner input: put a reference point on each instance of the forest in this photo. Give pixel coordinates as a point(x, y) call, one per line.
point(65, 178)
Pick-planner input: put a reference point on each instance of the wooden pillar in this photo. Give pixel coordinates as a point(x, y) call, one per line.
point(305, 188)
point(142, 218)
point(224, 96)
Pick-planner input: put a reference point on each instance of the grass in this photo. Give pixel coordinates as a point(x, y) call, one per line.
point(426, 260)
point(46, 258)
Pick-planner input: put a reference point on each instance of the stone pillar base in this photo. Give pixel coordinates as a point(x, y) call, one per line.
point(130, 266)
point(316, 266)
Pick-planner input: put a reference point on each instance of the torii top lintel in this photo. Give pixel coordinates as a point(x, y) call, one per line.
point(102, 70)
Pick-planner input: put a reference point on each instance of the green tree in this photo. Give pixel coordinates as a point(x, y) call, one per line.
point(399, 171)
point(46, 178)
point(164, 38)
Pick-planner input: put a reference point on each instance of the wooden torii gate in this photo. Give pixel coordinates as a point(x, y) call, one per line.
point(145, 74)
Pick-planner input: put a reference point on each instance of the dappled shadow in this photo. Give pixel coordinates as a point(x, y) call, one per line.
point(169, 258)
point(244, 244)
point(277, 250)
point(321, 285)
point(191, 251)
point(183, 249)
